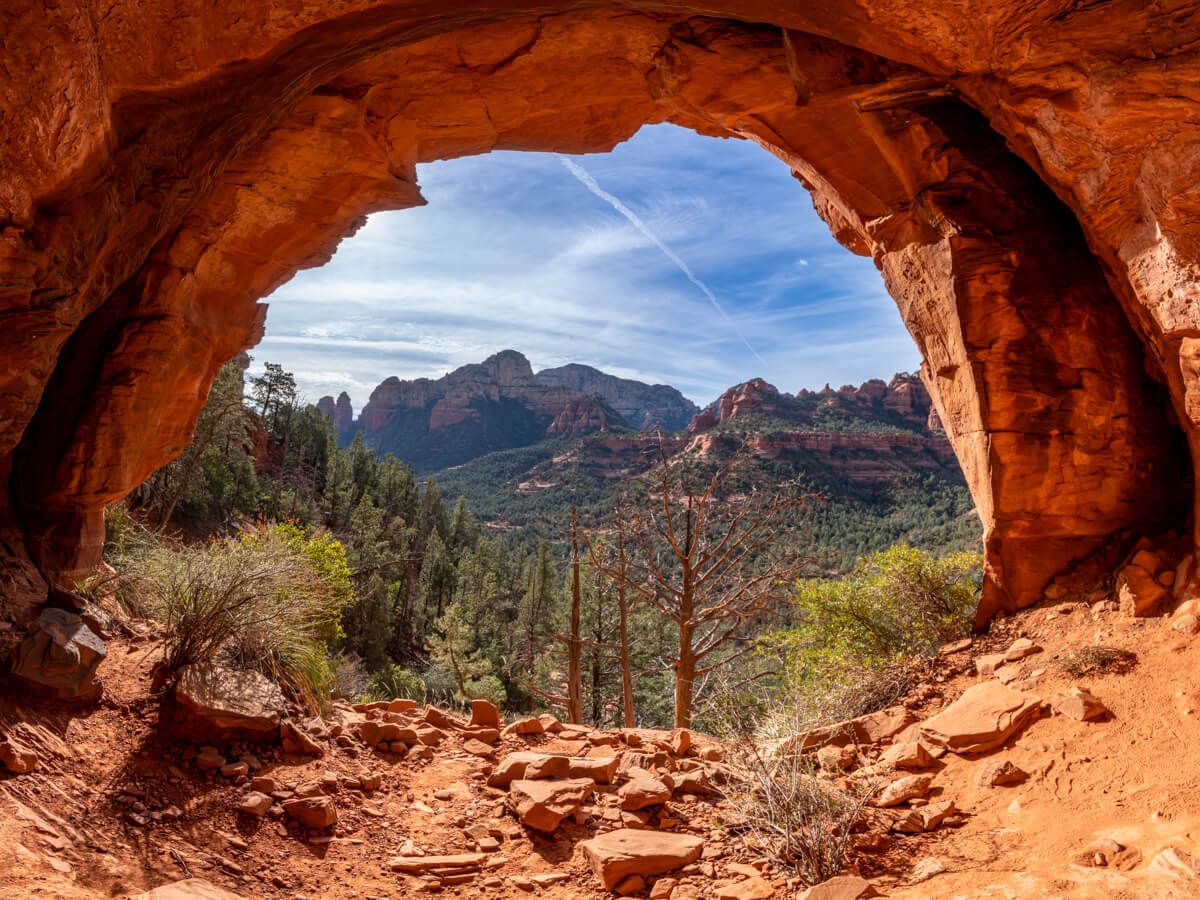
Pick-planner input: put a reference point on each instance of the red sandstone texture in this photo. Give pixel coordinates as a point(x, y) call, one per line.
point(1024, 176)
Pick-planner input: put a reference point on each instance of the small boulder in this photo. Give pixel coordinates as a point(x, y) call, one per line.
point(312, 812)
point(999, 773)
point(631, 886)
point(1186, 624)
point(617, 855)
point(61, 654)
point(1078, 704)
point(296, 741)
point(542, 805)
point(904, 789)
point(1021, 648)
point(1138, 592)
point(214, 703)
point(484, 714)
point(642, 789)
point(989, 663)
point(907, 755)
point(681, 741)
point(255, 804)
point(924, 818)
point(16, 756)
point(601, 769)
point(523, 726)
point(837, 759)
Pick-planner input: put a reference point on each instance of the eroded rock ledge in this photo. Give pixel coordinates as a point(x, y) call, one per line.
point(1023, 176)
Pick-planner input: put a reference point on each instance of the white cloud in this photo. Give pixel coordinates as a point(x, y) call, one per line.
point(511, 252)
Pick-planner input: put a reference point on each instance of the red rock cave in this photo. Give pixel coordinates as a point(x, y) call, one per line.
point(1023, 175)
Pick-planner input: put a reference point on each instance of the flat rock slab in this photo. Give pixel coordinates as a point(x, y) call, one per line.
point(189, 889)
point(457, 862)
point(216, 704)
point(843, 887)
point(628, 851)
point(869, 729)
point(983, 718)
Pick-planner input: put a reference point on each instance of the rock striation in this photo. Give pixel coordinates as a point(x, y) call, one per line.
point(1023, 176)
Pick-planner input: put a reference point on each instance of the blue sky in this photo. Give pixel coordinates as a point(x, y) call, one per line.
point(514, 251)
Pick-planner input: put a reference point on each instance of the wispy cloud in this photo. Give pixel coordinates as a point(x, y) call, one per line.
point(636, 221)
point(510, 253)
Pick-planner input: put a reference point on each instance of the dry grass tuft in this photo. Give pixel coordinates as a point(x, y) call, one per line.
point(1098, 660)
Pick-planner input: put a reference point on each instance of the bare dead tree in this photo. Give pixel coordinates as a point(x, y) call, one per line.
point(603, 565)
point(708, 563)
point(572, 639)
point(572, 700)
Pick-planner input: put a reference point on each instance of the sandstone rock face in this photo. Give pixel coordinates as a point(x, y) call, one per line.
point(1023, 176)
point(584, 415)
point(340, 413)
point(643, 406)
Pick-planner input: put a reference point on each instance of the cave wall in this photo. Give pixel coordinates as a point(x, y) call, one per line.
point(1024, 179)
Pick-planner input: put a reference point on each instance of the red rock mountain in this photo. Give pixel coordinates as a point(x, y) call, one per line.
point(342, 414)
point(500, 404)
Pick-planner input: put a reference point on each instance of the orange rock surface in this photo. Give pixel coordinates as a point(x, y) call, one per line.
point(1023, 175)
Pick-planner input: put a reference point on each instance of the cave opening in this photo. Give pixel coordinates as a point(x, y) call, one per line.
point(1063, 441)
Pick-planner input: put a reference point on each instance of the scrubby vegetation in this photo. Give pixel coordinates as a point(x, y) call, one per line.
point(857, 642)
point(270, 599)
point(266, 545)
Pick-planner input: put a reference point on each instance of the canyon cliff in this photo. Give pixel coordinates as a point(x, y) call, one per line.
point(499, 404)
point(1023, 175)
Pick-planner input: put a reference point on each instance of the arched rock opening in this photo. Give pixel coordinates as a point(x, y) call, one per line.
point(1036, 235)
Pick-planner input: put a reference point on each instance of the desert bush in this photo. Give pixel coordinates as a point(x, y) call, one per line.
point(258, 601)
point(1097, 660)
point(393, 681)
point(859, 641)
point(786, 810)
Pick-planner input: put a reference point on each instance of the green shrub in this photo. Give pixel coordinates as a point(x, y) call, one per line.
point(254, 602)
point(392, 682)
point(858, 639)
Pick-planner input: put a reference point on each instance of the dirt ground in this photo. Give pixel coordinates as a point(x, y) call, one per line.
point(68, 828)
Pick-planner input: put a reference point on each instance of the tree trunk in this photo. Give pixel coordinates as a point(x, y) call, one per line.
point(574, 642)
point(685, 677)
point(626, 667)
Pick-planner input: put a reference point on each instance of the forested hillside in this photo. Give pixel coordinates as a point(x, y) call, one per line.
point(464, 583)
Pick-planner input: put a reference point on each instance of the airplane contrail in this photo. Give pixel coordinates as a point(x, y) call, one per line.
point(635, 220)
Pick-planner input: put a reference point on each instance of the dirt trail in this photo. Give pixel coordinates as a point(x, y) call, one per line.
point(68, 831)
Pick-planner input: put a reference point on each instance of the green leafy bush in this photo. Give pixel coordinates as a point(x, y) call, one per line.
point(857, 639)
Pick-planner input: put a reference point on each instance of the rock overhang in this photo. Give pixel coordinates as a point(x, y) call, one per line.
point(1038, 246)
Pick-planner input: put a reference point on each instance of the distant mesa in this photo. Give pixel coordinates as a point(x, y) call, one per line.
point(903, 402)
point(501, 404)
